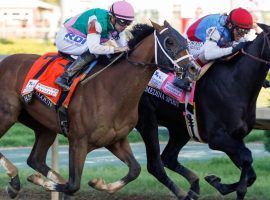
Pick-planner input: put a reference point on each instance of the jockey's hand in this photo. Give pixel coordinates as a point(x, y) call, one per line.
point(266, 84)
point(239, 46)
point(121, 49)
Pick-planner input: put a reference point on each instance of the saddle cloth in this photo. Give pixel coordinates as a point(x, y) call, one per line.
point(41, 77)
point(164, 83)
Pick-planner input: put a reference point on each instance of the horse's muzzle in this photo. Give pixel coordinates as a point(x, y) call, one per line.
point(193, 71)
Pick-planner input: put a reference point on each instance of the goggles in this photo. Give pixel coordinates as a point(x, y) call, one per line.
point(241, 31)
point(123, 22)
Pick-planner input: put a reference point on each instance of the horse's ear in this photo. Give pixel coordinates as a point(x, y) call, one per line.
point(166, 24)
point(264, 27)
point(157, 26)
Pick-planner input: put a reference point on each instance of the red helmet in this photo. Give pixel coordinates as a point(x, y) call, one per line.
point(241, 18)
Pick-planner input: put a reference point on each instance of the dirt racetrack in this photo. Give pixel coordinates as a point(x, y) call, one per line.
point(27, 194)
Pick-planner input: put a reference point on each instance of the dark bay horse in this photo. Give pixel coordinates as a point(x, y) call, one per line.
point(101, 114)
point(225, 100)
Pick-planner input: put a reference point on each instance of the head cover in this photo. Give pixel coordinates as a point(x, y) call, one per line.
point(122, 10)
point(241, 18)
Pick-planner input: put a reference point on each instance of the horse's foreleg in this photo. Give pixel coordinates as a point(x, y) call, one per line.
point(241, 157)
point(169, 157)
point(78, 149)
point(14, 185)
point(122, 150)
point(148, 128)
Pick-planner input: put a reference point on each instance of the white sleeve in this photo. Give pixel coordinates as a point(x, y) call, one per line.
point(122, 41)
point(211, 49)
point(93, 43)
point(93, 39)
point(212, 34)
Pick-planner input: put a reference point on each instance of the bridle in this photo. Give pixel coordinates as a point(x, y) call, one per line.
point(265, 41)
point(157, 44)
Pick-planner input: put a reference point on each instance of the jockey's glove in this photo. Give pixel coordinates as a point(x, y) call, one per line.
point(120, 49)
point(266, 84)
point(240, 45)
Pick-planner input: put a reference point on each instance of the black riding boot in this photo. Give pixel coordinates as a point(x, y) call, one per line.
point(77, 65)
point(181, 84)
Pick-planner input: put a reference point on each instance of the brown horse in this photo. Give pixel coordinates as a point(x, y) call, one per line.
point(101, 114)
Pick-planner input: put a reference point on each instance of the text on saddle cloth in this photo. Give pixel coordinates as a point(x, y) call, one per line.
point(48, 67)
point(164, 83)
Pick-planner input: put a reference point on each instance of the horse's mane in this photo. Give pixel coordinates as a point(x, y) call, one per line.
point(139, 32)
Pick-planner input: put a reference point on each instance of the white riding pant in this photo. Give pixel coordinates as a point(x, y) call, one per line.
point(70, 43)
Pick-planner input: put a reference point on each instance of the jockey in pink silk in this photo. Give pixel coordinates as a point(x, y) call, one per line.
point(85, 35)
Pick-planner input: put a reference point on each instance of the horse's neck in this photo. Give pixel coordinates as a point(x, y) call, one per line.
point(250, 71)
point(126, 82)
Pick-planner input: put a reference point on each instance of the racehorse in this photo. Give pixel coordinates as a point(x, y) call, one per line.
point(225, 100)
point(102, 111)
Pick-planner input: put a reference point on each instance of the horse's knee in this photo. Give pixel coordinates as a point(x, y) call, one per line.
point(157, 171)
point(32, 163)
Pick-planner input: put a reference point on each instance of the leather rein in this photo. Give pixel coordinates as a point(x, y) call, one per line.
point(266, 40)
point(157, 43)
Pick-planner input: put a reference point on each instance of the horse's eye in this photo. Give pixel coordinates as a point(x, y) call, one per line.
point(169, 43)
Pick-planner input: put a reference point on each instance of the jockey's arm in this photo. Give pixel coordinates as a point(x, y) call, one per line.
point(93, 40)
point(211, 49)
point(122, 41)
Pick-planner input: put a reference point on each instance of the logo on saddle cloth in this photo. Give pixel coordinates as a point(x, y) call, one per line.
point(164, 83)
point(41, 77)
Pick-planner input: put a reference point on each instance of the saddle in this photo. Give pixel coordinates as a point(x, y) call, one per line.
point(40, 82)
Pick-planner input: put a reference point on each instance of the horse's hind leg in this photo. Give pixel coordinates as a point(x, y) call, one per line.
point(9, 110)
point(122, 150)
point(44, 138)
point(170, 159)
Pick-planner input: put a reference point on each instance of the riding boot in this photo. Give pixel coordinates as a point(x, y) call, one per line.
point(78, 64)
point(181, 84)
point(266, 83)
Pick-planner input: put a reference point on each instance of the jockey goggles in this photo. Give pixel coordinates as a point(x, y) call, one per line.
point(123, 22)
point(241, 31)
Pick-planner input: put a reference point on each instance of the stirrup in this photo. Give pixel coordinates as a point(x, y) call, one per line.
point(61, 82)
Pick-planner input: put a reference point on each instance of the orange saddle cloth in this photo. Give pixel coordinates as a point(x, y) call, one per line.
point(41, 77)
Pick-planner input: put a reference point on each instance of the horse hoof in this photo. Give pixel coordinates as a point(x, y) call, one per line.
point(68, 197)
point(11, 191)
point(211, 179)
point(193, 195)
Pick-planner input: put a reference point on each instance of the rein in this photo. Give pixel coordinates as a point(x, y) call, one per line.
point(157, 43)
point(98, 72)
point(266, 62)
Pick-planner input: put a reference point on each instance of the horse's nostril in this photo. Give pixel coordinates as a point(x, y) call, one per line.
point(192, 70)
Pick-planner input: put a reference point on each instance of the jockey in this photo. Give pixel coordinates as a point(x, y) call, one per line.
point(86, 34)
point(217, 35)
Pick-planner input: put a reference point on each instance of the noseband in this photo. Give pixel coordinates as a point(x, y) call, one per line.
point(157, 44)
point(265, 41)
